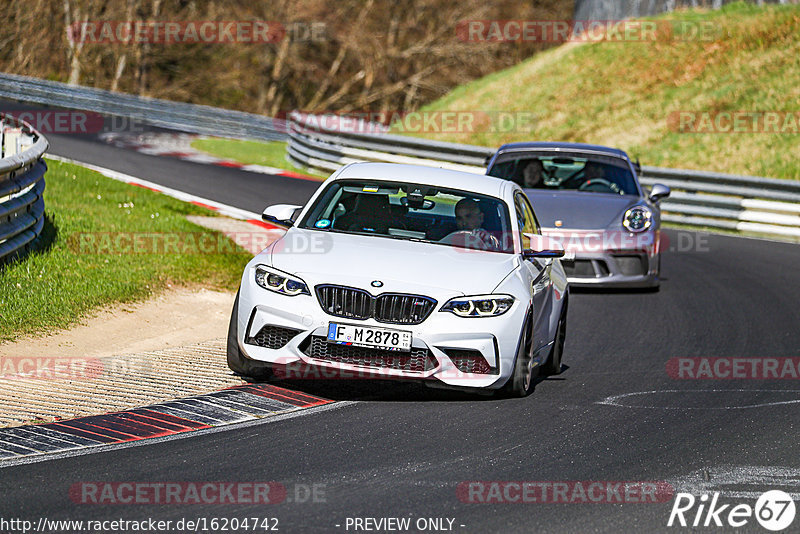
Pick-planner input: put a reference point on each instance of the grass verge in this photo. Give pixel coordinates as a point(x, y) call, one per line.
point(629, 94)
point(90, 257)
point(270, 154)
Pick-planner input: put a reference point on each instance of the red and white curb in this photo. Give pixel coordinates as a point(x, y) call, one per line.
point(239, 404)
point(179, 146)
point(235, 405)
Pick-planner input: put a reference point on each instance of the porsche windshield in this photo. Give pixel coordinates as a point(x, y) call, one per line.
point(412, 212)
point(566, 171)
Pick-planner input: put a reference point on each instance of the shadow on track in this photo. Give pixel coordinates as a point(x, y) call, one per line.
point(398, 390)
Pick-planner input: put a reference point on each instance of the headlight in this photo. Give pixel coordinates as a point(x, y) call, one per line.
point(479, 306)
point(637, 219)
point(280, 282)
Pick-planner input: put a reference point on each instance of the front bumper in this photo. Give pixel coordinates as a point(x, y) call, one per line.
point(612, 269)
point(610, 259)
point(290, 333)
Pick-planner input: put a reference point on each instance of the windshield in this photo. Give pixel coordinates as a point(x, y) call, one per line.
point(566, 171)
point(412, 212)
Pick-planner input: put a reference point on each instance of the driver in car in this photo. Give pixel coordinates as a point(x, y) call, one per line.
point(592, 178)
point(469, 219)
point(593, 171)
point(596, 179)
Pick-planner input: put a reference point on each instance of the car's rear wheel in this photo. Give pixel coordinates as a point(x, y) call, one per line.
point(553, 364)
point(237, 362)
point(521, 382)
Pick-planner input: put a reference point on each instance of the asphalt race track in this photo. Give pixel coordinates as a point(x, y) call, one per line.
point(238, 188)
point(402, 450)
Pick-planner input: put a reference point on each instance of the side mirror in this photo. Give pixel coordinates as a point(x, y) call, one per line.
point(543, 247)
point(659, 192)
point(281, 214)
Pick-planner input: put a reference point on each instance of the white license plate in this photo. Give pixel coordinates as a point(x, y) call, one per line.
point(367, 336)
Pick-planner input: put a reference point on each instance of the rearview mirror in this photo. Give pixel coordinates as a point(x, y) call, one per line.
point(659, 192)
point(281, 214)
point(543, 247)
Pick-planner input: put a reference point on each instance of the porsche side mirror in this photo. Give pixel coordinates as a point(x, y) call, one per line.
point(283, 215)
point(659, 192)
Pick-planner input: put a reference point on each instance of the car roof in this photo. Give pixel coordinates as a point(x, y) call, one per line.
point(567, 147)
point(433, 176)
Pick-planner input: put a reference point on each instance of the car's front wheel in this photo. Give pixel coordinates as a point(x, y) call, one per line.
point(521, 382)
point(236, 360)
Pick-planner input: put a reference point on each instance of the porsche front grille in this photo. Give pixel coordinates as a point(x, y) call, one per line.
point(353, 303)
point(418, 360)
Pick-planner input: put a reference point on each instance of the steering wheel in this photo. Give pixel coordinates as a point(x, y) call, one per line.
point(571, 181)
point(593, 183)
point(470, 240)
point(459, 236)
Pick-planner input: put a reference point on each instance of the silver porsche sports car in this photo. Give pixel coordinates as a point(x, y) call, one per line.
point(589, 198)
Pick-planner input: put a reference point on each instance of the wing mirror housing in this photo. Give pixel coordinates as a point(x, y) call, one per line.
point(283, 215)
point(659, 192)
point(543, 247)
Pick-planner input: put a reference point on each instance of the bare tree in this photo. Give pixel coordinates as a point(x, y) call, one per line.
point(75, 38)
point(376, 54)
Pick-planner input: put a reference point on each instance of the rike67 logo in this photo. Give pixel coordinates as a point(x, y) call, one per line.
point(774, 510)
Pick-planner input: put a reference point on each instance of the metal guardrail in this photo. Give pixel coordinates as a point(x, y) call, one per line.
point(616, 9)
point(180, 116)
point(21, 186)
point(315, 145)
point(732, 202)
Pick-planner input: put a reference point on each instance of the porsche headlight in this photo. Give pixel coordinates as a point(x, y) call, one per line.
point(280, 282)
point(637, 219)
point(479, 306)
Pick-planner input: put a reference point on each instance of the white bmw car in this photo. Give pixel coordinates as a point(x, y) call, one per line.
point(406, 272)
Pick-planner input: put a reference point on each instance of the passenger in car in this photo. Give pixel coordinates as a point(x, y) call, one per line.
point(532, 174)
point(371, 213)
